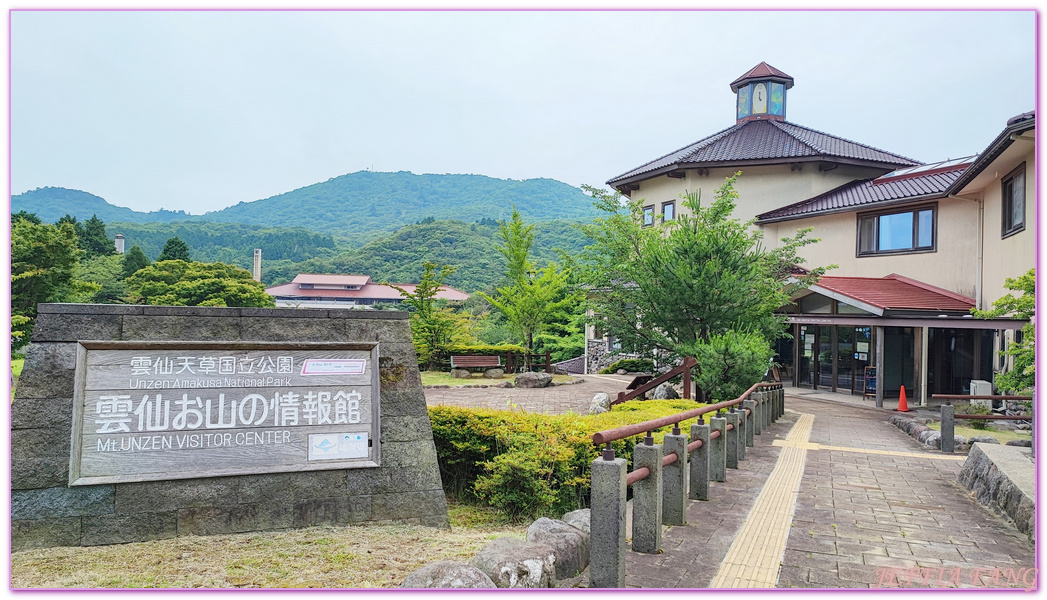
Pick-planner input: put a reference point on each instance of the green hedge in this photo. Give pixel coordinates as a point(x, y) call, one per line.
point(631, 365)
point(526, 464)
point(486, 350)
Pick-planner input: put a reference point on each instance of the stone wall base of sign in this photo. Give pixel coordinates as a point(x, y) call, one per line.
point(46, 511)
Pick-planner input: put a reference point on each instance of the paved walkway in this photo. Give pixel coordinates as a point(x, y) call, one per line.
point(831, 496)
point(554, 400)
point(872, 509)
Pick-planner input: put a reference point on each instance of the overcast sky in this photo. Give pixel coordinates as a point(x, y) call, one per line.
point(201, 110)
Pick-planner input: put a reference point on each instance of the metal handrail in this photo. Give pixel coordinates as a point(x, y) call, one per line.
point(609, 435)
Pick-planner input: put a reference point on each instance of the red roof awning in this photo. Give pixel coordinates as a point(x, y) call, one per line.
point(895, 292)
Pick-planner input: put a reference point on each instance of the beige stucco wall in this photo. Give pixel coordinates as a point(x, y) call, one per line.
point(951, 266)
point(1015, 255)
point(761, 188)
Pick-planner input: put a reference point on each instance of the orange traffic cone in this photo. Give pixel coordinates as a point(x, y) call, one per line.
point(903, 406)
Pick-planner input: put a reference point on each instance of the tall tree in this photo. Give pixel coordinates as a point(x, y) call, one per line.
point(434, 329)
point(180, 283)
point(94, 240)
point(531, 298)
point(23, 215)
point(134, 260)
point(1022, 376)
point(43, 259)
point(78, 227)
point(669, 289)
point(174, 249)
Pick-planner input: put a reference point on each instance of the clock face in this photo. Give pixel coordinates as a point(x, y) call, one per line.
point(759, 98)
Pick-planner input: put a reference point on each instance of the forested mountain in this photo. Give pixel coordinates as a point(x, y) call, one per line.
point(358, 206)
point(231, 243)
point(469, 247)
point(367, 202)
point(52, 203)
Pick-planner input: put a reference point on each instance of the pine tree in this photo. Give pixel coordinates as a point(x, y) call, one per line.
point(134, 260)
point(174, 249)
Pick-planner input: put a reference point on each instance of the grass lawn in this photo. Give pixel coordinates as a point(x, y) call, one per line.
point(444, 378)
point(1003, 435)
point(331, 557)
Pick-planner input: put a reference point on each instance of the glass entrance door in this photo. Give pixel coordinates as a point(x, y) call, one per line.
point(845, 359)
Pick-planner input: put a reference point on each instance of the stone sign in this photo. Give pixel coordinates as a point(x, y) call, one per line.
point(136, 423)
point(158, 411)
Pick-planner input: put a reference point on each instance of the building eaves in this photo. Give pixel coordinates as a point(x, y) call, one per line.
point(1015, 126)
point(895, 293)
point(867, 193)
point(767, 141)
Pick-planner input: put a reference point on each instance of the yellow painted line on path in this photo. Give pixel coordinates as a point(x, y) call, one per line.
point(813, 446)
point(756, 554)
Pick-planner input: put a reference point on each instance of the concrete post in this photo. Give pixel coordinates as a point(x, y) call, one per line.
point(757, 413)
point(742, 426)
point(607, 524)
point(948, 427)
point(674, 481)
point(699, 463)
point(647, 500)
point(750, 422)
point(732, 441)
point(781, 401)
point(718, 450)
point(768, 413)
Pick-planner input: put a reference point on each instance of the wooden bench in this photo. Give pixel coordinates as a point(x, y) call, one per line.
point(475, 362)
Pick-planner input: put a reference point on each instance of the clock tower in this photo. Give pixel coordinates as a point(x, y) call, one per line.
point(761, 94)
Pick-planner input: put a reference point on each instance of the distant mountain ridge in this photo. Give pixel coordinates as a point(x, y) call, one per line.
point(359, 205)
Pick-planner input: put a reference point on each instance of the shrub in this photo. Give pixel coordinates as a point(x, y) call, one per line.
point(527, 465)
point(631, 365)
point(978, 409)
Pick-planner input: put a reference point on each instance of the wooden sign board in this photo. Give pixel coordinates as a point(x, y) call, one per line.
point(150, 411)
point(870, 382)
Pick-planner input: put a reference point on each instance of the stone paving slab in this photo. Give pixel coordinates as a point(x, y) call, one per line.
point(554, 400)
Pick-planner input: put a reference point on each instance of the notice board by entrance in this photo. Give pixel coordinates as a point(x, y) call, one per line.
point(146, 411)
point(870, 382)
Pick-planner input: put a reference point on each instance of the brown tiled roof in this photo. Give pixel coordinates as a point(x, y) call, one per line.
point(324, 279)
point(766, 141)
point(373, 291)
point(761, 71)
point(927, 184)
point(895, 292)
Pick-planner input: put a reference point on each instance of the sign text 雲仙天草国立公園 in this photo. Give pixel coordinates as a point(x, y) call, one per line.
point(148, 411)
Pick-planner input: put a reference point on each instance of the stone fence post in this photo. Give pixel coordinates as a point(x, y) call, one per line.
point(699, 462)
point(674, 480)
point(732, 440)
point(718, 450)
point(750, 422)
point(948, 427)
point(647, 499)
point(607, 524)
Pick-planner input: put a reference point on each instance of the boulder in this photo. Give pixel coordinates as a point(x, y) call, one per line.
point(448, 574)
point(600, 403)
point(1022, 443)
point(620, 372)
point(504, 384)
point(461, 373)
point(513, 563)
point(665, 392)
point(570, 544)
point(533, 380)
point(578, 518)
point(494, 373)
point(985, 439)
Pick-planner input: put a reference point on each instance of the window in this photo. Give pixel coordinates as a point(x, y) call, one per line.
point(1014, 201)
point(668, 211)
point(648, 216)
point(911, 230)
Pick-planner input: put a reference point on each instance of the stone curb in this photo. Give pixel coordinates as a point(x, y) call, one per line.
point(445, 386)
point(919, 431)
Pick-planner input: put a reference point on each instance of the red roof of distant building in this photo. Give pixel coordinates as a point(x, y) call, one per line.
point(332, 279)
point(896, 292)
point(372, 291)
